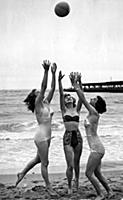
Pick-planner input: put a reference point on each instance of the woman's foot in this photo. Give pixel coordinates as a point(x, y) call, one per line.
point(110, 194)
point(76, 185)
point(100, 197)
point(19, 178)
point(50, 191)
point(69, 191)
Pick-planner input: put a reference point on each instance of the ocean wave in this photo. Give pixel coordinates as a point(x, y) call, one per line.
point(17, 127)
point(118, 101)
point(17, 138)
point(57, 125)
point(26, 126)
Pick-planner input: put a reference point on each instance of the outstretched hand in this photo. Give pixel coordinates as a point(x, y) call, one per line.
point(46, 64)
point(75, 79)
point(72, 77)
point(79, 77)
point(60, 77)
point(53, 68)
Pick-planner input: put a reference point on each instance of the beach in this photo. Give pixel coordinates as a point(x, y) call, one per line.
point(17, 129)
point(34, 39)
point(32, 186)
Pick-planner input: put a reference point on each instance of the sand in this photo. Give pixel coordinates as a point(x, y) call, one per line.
point(32, 187)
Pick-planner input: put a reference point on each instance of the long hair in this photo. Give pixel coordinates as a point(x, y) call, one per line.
point(100, 105)
point(30, 100)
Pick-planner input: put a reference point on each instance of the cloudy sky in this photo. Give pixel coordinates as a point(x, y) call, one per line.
point(88, 40)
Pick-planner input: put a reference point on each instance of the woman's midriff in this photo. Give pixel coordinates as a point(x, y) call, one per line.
point(43, 132)
point(70, 126)
point(93, 140)
point(95, 144)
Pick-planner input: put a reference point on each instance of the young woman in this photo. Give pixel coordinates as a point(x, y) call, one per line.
point(39, 105)
point(96, 107)
point(72, 140)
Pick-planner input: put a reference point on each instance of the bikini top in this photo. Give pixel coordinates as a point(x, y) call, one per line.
point(86, 122)
point(69, 118)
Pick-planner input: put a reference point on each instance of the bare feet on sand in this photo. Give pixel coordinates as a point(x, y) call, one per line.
point(76, 185)
point(19, 178)
point(110, 195)
point(100, 197)
point(69, 191)
point(51, 192)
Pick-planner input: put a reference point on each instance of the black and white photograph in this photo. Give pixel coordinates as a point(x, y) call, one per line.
point(61, 97)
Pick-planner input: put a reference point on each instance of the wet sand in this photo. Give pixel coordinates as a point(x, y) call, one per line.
point(32, 187)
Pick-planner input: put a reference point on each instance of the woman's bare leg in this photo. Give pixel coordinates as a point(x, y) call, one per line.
point(93, 162)
point(43, 150)
point(77, 155)
point(69, 155)
point(28, 167)
point(102, 180)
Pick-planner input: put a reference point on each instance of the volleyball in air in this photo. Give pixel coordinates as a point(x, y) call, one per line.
point(62, 9)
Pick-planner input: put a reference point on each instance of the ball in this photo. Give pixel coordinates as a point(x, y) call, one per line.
point(62, 9)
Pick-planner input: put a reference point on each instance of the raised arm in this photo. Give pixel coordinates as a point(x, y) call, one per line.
point(46, 65)
point(81, 95)
point(77, 76)
point(53, 83)
point(62, 104)
point(79, 104)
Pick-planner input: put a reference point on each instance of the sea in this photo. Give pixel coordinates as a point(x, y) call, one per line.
point(18, 126)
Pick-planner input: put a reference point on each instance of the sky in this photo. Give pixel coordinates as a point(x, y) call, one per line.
point(89, 40)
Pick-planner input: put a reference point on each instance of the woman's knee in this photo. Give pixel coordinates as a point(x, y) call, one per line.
point(97, 173)
point(70, 167)
point(45, 163)
point(88, 174)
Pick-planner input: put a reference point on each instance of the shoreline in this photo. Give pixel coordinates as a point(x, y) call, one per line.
point(32, 186)
point(106, 166)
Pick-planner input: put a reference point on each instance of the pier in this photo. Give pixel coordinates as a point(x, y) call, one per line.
point(111, 86)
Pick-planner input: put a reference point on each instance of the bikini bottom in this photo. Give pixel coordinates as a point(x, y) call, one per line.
point(72, 138)
point(99, 153)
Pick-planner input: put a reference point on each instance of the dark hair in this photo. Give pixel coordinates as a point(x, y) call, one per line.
point(30, 100)
point(74, 100)
point(100, 105)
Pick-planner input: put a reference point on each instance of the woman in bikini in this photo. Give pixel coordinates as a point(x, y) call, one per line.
point(39, 105)
point(72, 140)
point(96, 107)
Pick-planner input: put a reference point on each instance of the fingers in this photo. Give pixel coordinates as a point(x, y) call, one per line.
point(46, 65)
point(54, 64)
point(46, 62)
point(75, 75)
point(53, 67)
point(75, 78)
point(60, 75)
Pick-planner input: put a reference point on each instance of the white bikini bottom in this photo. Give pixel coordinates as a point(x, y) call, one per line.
point(94, 151)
